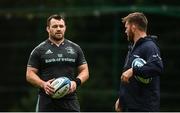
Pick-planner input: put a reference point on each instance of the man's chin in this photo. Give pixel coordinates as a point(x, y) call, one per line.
point(57, 38)
point(128, 39)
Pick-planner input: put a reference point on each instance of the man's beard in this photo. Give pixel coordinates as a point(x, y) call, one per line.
point(56, 38)
point(130, 36)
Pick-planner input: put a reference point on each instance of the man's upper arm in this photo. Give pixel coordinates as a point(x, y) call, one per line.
point(34, 59)
point(154, 64)
point(32, 69)
point(82, 67)
point(81, 58)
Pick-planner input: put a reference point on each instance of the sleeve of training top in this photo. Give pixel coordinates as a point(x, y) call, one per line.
point(153, 66)
point(34, 59)
point(81, 58)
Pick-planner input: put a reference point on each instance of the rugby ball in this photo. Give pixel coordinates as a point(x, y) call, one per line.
point(61, 86)
point(139, 62)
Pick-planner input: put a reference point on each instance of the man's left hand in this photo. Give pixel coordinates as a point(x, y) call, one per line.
point(73, 87)
point(126, 75)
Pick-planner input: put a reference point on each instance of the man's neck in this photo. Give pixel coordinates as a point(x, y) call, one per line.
point(57, 42)
point(139, 35)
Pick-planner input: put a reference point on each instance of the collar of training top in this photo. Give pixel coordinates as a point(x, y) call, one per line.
point(52, 43)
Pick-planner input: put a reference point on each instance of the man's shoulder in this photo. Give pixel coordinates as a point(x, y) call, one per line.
point(148, 46)
point(149, 43)
point(42, 44)
point(69, 42)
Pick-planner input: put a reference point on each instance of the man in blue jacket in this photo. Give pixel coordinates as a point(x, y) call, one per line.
point(140, 80)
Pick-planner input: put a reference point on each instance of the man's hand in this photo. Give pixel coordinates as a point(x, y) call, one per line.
point(126, 75)
point(73, 87)
point(117, 106)
point(49, 90)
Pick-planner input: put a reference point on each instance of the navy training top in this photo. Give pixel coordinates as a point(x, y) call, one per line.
point(137, 95)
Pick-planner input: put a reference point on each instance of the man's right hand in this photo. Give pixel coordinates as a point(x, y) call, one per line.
point(117, 106)
point(49, 90)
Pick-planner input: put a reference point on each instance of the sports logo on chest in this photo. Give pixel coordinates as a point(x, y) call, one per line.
point(70, 50)
point(48, 52)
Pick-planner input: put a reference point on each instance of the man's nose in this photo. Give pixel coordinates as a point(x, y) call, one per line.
point(125, 31)
point(58, 27)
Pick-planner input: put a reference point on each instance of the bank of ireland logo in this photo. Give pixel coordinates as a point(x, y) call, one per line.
point(70, 50)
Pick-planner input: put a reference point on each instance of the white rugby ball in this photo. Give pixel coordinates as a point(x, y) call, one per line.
point(139, 62)
point(61, 86)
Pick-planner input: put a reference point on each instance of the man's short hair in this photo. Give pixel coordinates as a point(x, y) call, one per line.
point(137, 18)
point(55, 16)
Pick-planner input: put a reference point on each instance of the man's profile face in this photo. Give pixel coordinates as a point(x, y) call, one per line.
point(129, 32)
point(56, 29)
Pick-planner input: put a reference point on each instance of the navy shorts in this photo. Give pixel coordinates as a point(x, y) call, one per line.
point(47, 104)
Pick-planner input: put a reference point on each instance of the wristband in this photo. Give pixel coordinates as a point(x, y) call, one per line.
point(78, 81)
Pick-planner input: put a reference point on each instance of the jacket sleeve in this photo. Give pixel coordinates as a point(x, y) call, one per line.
point(153, 66)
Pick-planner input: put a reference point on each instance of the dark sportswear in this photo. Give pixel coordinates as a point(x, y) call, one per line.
point(137, 96)
point(53, 62)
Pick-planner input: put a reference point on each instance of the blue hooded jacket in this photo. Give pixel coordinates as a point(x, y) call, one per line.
point(138, 95)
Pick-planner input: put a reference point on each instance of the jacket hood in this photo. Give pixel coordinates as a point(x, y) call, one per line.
point(148, 38)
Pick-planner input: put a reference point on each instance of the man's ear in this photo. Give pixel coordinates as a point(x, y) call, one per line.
point(47, 29)
point(133, 27)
